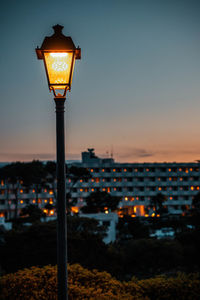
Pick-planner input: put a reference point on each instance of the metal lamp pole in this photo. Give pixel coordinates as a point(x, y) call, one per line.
point(61, 200)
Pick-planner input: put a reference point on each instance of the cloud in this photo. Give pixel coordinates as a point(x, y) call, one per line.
point(134, 153)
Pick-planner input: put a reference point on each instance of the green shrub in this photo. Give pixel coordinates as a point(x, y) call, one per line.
point(182, 287)
point(41, 284)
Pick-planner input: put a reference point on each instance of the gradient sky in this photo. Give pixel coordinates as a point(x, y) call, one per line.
point(136, 90)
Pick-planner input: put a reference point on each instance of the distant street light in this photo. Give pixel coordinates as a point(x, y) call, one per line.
point(59, 53)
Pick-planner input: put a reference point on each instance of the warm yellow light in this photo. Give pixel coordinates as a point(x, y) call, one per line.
point(59, 68)
point(51, 212)
point(74, 209)
point(192, 188)
point(106, 211)
point(51, 192)
point(126, 198)
point(56, 54)
point(153, 215)
point(21, 201)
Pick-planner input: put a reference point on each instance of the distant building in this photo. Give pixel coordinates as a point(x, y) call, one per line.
point(134, 183)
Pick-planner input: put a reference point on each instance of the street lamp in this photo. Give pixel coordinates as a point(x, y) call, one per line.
point(59, 53)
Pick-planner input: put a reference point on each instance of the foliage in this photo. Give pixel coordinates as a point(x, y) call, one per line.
point(97, 202)
point(129, 228)
point(31, 213)
point(36, 244)
point(41, 283)
point(157, 203)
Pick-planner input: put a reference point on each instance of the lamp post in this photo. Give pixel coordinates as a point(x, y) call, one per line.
point(59, 53)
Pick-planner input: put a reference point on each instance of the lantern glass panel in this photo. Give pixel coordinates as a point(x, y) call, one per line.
point(59, 65)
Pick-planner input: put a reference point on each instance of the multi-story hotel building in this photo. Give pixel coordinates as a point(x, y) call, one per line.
point(134, 183)
point(137, 183)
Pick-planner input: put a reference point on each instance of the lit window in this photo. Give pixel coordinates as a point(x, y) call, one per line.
point(160, 189)
point(197, 188)
point(2, 182)
point(132, 198)
point(126, 198)
point(103, 189)
point(136, 170)
point(92, 190)
point(181, 179)
point(51, 192)
point(97, 179)
point(191, 169)
point(108, 190)
point(170, 178)
point(52, 212)
point(91, 170)
point(114, 170)
point(69, 180)
point(21, 201)
point(103, 170)
point(169, 170)
point(125, 170)
point(92, 179)
point(137, 198)
point(159, 179)
point(21, 191)
point(81, 190)
point(192, 188)
point(114, 189)
point(50, 201)
point(33, 190)
point(114, 179)
point(171, 198)
point(186, 171)
point(81, 180)
point(34, 201)
point(39, 200)
point(147, 170)
point(106, 211)
point(45, 201)
point(45, 190)
point(180, 170)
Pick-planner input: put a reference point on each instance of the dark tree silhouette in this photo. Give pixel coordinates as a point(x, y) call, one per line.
point(157, 203)
point(99, 202)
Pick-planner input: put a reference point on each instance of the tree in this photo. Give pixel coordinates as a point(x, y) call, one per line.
point(34, 176)
point(74, 175)
point(13, 174)
point(98, 202)
point(32, 213)
point(157, 204)
point(131, 228)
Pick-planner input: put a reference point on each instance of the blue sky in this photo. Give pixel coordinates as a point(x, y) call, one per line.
point(136, 89)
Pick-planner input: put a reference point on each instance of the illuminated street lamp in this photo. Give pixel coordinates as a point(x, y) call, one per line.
point(59, 53)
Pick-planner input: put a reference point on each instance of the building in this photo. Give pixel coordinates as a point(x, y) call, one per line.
point(134, 183)
point(137, 183)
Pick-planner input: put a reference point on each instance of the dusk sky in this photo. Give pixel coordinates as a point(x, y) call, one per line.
point(136, 90)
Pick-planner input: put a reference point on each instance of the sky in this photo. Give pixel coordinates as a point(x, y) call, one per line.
point(135, 92)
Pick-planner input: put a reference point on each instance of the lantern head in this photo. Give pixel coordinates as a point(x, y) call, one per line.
point(59, 53)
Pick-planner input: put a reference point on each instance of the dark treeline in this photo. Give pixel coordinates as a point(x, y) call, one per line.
point(141, 257)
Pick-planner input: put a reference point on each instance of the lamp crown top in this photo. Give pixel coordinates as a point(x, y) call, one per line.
point(58, 29)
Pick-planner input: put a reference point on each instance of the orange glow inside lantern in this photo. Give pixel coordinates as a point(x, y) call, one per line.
point(59, 67)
